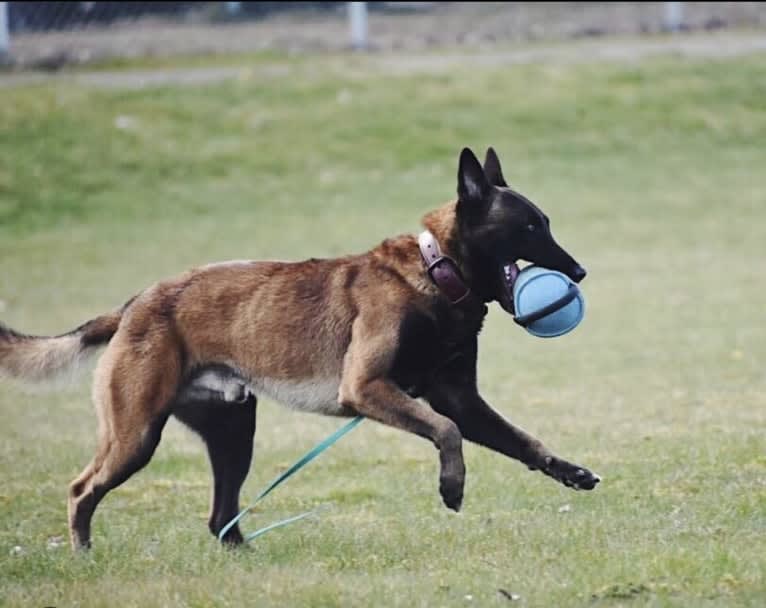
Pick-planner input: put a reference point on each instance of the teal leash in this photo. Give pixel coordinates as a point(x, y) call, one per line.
point(313, 453)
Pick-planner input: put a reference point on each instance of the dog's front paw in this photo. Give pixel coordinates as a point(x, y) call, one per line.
point(571, 475)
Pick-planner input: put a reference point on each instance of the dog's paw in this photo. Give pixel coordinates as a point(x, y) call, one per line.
point(452, 492)
point(571, 475)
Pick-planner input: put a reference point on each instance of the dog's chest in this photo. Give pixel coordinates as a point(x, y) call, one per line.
point(429, 342)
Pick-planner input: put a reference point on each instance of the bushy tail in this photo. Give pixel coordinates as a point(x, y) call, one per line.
point(39, 358)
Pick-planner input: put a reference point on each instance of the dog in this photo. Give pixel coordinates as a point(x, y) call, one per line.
point(390, 334)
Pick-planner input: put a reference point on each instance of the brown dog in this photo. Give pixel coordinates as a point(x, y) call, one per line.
point(365, 334)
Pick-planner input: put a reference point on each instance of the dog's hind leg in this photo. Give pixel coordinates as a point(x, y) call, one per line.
point(115, 461)
point(227, 429)
point(133, 393)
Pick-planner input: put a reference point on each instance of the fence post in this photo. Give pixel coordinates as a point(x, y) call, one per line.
point(5, 39)
point(674, 16)
point(357, 17)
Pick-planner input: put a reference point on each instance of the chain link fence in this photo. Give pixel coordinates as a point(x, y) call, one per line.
point(52, 35)
point(25, 17)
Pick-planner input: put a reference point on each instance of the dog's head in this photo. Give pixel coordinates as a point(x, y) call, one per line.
point(498, 226)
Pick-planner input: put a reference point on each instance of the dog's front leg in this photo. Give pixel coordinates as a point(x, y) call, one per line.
point(366, 389)
point(453, 393)
point(481, 424)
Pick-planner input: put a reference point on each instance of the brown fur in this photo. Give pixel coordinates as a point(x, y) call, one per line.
point(344, 326)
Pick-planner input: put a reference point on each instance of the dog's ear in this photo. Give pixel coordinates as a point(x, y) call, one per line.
point(472, 184)
point(492, 169)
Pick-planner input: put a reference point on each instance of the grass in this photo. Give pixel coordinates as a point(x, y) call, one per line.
point(653, 176)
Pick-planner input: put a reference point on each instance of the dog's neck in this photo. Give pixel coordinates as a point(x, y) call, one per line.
point(477, 273)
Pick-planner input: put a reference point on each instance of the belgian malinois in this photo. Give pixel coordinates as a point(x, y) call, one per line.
point(390, 334)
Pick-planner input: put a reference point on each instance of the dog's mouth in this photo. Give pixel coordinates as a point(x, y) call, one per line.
point(507, 277)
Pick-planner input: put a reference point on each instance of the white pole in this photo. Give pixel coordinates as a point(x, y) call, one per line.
point(674, 16)
point(5, 39)
point(357, 17)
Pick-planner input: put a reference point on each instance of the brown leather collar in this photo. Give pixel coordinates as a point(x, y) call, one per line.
point(442, 269)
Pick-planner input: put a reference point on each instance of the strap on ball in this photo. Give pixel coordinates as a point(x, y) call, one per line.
point(531, 317)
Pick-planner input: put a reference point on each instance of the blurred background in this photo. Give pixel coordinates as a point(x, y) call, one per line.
point(51, 35)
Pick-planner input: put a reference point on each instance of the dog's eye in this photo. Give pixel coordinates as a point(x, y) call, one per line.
point(531, 227)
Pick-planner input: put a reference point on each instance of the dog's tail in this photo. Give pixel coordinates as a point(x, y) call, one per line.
point(39, 358)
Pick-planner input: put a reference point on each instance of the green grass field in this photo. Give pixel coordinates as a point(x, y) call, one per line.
point(653, 175)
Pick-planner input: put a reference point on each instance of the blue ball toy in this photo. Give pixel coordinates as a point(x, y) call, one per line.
point(547, 303)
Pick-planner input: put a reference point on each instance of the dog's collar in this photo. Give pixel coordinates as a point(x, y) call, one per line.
point(442, 269)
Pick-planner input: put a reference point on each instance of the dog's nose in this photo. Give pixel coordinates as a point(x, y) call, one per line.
point(579, 274)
